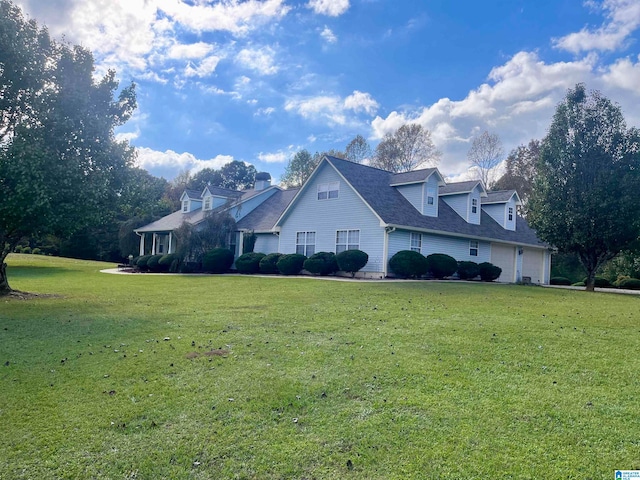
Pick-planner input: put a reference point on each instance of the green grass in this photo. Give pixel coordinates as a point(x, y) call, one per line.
point(321, 380)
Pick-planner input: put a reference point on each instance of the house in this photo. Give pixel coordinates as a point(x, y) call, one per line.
point(344, 205)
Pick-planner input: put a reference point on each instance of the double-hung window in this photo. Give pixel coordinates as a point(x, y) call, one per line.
point(431, 196)
point(306, 243)
point(207, 203)
point(185, 206)
point(328, 190)
point(473, 248)
point(474, 205)
point(416, 242)
point(511, 214)
point(347, 240)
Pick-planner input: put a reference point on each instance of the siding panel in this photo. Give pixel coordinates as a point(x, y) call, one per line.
point(459, 203)
point(413, 193)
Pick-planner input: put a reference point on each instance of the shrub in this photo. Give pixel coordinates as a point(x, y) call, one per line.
point(408, 264)
point(36, 251)
point(190, 267)
point(166, 261)
point(268, 263)
point(599, 282)
point(175, 266)
point(290, 264)
point(351, 261)
point(560, 281)
point(630, 283)
point(142, 262)
point(441, 265)
point(578, 284)
point(468, 270)
point(321, 263)
point(489, 272)
point(152, 263)
point(218, 260)
point(26, 249)
point(620, 279)
point(249, 262)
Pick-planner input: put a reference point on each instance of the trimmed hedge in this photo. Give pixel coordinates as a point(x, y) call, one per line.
point(559, 281)
point(268, 263)
point(441, 265)
point(321, 263)
point(167, 261)
point(290, 264)
point(489, 272)
point(468, 270)
point(153, 263)
point(249, 262)
point(352, 261)
point(599, 282)
point(142, 262)
point(630, 283)
point(408, 264)
point(218, 260)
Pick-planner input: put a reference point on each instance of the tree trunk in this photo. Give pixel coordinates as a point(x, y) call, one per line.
point(591, 280)
point(4, 282)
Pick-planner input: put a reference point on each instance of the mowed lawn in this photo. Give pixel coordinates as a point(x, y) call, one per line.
point(143, 376)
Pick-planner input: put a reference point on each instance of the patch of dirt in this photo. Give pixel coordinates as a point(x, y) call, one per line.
point(18, 295)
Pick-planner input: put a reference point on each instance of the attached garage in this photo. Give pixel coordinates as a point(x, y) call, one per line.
point(504, 256)
point(533, 265)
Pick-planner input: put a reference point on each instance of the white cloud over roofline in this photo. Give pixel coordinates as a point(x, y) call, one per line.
point(170, 161)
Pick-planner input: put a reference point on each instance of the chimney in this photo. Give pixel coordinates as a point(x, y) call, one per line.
point(263, 180)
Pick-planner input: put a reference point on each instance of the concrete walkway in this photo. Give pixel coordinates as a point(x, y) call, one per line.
point(600, 290)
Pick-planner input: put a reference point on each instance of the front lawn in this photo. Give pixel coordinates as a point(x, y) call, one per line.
point(143, 376)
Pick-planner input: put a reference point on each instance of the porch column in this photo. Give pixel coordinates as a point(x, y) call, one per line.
point(241, 243)
point(169, 248)
point(153, 245)
point(141, 244)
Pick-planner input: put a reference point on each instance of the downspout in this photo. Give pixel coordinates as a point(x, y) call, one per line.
point(385, 250)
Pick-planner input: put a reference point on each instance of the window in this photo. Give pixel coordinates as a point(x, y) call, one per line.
point(416, 242)
point(306, 243)
point(474, 205)
point(347, 240)
point(429, 200)
point(207, 203)
point(473, 248)
point(511, 214)
point(431, 194)
point(185, 206)
point(328, 190)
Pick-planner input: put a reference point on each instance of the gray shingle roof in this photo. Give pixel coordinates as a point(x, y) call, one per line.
point(414, 176)
point(394, 209)
point(222, 192)
point(264, 217)
point(193, 194)
point(500, 196)
point(172, 221)
point(458, 187)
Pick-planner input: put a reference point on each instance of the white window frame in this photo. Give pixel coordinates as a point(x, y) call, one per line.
point(474, 246)
point(431, 196)
point(207, 203)
point(474, 206)
point(185, 206)
point(328, 191)
point(510, 214)
point(303, 243)
point(351, 240)
point(415, 246)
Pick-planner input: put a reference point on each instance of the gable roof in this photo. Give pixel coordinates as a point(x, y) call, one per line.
point(500, 196)
point(374, 187)
point(263, 218)
point(415, 176)
point(192, 194)
point(221, 191)
point(461, 187)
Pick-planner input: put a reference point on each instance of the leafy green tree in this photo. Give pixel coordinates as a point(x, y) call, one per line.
point(585, 197)
point(193, 241)
point(299, 168)
point(406, 149)
point(237, 175)
point(520, 171)
point(60, 164)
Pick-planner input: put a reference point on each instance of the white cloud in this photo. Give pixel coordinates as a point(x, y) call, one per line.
point(205, 68)
point(332, 8)
point(276, 157)
point(193, 50)
point(624, 74)
point(264, 112)
point(171, 161)
point(359, 101)
point(623, 18)
point(328, 35)
point(260, 60)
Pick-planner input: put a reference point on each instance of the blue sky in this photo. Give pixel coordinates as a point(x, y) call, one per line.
point(258, 80)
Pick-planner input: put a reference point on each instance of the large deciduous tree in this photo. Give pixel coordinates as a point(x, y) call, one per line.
point(299, 168)
point(59, 161)
point(520, 171)
point(585, 198)
point(484, 155)
point(406, 149)
point(358, 150)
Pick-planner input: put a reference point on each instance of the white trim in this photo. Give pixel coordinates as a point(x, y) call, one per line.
point(348, 230)
point(411, 234)
point(153, 244)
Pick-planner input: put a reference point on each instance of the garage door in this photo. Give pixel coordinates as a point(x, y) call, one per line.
point(532, 263)
point(503, 256)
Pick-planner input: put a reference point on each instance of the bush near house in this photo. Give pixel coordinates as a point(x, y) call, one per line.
point(599, 282)
point(408, 264)
point(166, 262)
point(142, 262)
point(249, 262)
point(352, 261)
point(218, 260)
point(468, 270)
point(489, 272)
point(441, 265)
point(290, 264)
point(321, 263)
point(630, 283)
point(268, 263)
point(560, 281)
point(153, 263)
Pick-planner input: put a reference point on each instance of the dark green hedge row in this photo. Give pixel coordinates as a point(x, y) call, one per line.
point(410, 264)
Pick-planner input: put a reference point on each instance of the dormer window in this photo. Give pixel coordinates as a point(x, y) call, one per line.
point(185, 206)
point(474, 205)
point(328, 190)
point(510, 214)
point(431, 196)
point(207, 203)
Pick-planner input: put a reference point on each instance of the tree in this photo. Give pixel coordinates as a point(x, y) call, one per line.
point(237, 175)
point(358, 150)
point(520, 171)
point(193, 241)
point(406, 149)
point(299, 168)
point(585, 196)
point(59, 161)
point(484, 155)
